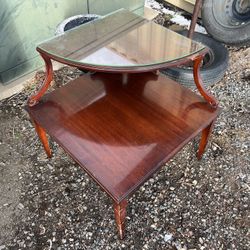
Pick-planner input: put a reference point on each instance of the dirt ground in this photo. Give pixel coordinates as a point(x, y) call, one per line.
point(189, 204)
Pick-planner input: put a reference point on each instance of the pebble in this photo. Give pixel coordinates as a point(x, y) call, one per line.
point(20, 206)
point(194, 182)
point(168, 237)
point(201, 240)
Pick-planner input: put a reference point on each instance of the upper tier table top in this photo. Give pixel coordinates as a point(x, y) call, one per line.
point(120, 41)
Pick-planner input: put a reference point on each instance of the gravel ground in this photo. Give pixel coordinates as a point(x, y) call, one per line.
point(189, 204)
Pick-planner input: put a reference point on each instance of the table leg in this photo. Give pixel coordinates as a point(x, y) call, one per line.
point(34, 99)
point(42, 135)
point(206, 132)
point(120, 214)
point(198, 81)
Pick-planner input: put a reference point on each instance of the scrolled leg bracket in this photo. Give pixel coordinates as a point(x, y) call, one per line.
point(198, 81)
point(34, 99)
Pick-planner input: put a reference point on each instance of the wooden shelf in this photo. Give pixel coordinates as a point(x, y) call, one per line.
point(122, 128)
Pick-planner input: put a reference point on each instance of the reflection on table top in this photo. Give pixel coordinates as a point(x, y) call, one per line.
point(121, 129)
point(121, 39)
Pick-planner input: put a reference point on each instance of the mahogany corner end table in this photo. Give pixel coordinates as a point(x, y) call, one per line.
point(122, 123)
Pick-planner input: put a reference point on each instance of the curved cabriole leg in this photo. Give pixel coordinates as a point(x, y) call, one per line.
point(198, 81)
point(120, 214)
point(34, 99)
point(209, 98)
point(43, 137)
point(206, 132)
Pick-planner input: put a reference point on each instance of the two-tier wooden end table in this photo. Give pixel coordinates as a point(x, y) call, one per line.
point(122, 123)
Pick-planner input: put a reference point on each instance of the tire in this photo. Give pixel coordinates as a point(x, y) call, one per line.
point(74, 21)
point(214, 66)
point(226, 21)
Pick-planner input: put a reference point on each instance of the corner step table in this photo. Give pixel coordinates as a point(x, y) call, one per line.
point(124, 120)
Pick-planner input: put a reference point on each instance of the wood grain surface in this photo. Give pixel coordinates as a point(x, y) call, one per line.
point(121, 128)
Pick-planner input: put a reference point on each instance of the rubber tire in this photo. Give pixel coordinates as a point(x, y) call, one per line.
point(74, 21)
point(239, 36)
point(212, 73)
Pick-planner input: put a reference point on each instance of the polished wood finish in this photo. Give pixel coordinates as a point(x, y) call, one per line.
point(42, 135)
point(120, 215)
point(196, 58)
point(198, 81)
point(122, 129)
point(48, 79)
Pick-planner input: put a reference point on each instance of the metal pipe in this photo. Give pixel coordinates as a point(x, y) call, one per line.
point(88, 6)
point(196, 11)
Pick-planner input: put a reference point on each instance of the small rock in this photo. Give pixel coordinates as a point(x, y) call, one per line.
point(180, 246)
point(168, 237)
point(156, 219)
point(20, 206)
point(195, 182)
point(43, 230)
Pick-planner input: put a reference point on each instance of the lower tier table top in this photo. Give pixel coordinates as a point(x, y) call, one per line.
point(122, 128)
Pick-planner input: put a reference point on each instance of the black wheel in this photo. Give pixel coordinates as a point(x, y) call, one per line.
point(214, 66)
point(74, 21)
point(227, 21)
